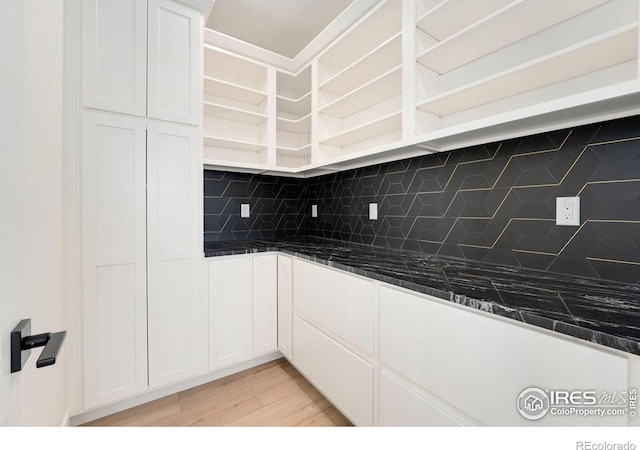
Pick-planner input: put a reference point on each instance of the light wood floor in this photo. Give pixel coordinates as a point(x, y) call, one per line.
point(273, 394)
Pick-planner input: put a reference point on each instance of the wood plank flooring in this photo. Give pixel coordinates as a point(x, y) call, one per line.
point(273, 394)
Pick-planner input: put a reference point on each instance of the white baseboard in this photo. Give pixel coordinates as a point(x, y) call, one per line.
point(149, 396)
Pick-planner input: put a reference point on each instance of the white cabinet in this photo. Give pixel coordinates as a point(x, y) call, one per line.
point(481, 364)
point(141, 229)
point(342, 376)
point(175, 62)
point(114, 258)
point(114, 55)
point(243, 308)
point(142, 58)
point(285, 306)
point(336, 302)
point(229, 311)
point(174, 248)
point(333, 336)
point(265, 304)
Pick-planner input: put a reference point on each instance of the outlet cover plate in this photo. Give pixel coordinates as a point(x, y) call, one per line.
point(568, 211)
point(373, 211)
point(245, 210)
point(314, 210)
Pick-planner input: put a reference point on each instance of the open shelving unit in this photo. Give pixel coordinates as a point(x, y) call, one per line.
point(293, 123)
point(360, 85)
point(505, 56)
point(235, 125)
point(407, 78)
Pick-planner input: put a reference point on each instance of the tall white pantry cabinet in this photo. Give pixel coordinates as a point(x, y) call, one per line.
point(140, 114)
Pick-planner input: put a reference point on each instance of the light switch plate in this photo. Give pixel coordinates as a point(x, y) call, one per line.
point(568, 211)
point(245, 210)
point(314, 210)
point(373, 211)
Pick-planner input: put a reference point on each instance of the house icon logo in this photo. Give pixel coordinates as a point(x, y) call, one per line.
point(533, 403)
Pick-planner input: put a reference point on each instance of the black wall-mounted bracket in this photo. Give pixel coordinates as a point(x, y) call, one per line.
point(22, 342)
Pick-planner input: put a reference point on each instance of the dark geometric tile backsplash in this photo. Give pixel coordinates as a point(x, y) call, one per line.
point(277, 206)
point(493, 203)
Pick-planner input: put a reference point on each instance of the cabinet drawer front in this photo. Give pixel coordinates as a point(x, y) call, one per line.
point(341, 303)
point(400, 407)
point(344, 378)
point(481, 364)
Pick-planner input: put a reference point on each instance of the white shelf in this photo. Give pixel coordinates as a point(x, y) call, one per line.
point(235, 144)
point(299, 106)
point(383, 125)
point(451, 16)
point(496, 30)
point(612, 48)
point(235, 114)
point(378, 60)
point(301, 126)
point(383, 22)
point(304, 150)
point(232, 91)
point(385, 86)
point(223, 65)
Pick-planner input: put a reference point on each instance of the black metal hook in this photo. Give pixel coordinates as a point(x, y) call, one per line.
point(22, 343)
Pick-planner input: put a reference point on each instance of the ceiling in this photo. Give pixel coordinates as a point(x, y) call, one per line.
point(284, 27)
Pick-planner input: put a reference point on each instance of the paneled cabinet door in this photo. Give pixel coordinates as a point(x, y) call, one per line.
point(174, 248)
point(265, 304)
point(114, 55)
point(229, 311)
point(285, 306)
point(175, 62)
point(114, 258)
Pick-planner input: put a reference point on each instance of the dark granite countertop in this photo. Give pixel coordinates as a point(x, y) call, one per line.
point(603, 312)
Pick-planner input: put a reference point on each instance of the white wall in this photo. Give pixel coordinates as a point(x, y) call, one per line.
point(31, 214)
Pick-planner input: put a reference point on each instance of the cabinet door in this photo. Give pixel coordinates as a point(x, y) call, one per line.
point(285, 305)
point(229, 311)
point(114, 254)
point(114, 55)
point(175, 62)
point(265, 304)
point(174, 247)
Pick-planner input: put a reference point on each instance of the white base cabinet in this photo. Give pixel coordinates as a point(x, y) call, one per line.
point(341, 375)
point(391, 357)
point(481, 364)
point(140, 183)
point(229, 311)
point(243, 296)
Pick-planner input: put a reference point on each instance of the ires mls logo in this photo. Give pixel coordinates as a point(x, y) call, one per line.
point(534, 403)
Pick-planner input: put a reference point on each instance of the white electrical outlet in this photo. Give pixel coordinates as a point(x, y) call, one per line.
point(568, 211)
point(245, 210)
point(314, 210)
point(373, 211)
